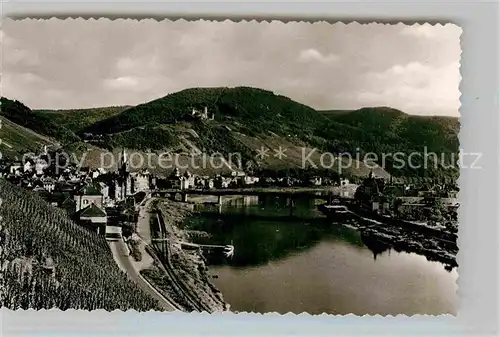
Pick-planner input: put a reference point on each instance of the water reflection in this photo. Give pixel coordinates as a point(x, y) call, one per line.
point(317, 266)
point(244, 221)
point(376, 246)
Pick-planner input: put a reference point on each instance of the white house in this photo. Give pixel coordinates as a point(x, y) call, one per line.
point(15, 168)
point(40, 166)
point(344, 182)
point(141, 181)
point(28, 166)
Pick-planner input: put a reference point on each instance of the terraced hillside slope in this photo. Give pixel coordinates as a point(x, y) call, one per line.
point(16, 139)
point(50, 262)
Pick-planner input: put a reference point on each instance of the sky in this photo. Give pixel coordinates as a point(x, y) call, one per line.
point(74, 63)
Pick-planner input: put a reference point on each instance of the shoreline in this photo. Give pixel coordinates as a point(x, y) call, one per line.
point(189, 266)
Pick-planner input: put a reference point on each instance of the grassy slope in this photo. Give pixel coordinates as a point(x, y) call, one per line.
point(42, 124)
point(17, 139)
point(86, 276)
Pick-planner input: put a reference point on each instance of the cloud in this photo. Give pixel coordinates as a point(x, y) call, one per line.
point(415, 88)
point(121, 83)
point(64, 64)
point(428, 31)
point(125, 64)
point(313, 55)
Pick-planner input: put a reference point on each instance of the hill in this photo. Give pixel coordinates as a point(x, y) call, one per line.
point(76, 120)
point(258, 110)
point(37, 236)
point(245, 119)
point(383, 130)
point(42, 124)
point(16, 139)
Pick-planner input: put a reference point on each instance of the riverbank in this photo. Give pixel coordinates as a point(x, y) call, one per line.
point(436, 245)
point(189, 266)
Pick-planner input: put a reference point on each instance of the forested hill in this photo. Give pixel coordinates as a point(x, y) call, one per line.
point(78, 120)
point(386, 130)
point(257, 113)
point(246, 119)
point(39, 237)
point(22, 115)
point(260, 110)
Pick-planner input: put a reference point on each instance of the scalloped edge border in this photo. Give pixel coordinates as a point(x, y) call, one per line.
point(283, 21)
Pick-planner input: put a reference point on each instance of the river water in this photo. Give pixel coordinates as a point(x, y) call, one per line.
point(316, 267)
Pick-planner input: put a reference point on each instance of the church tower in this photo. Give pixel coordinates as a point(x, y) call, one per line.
point(124, 178)
point(123, 167)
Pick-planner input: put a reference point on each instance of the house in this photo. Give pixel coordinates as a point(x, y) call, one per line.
point(95, 173)
point(40, 166)
point(222, 182)
point(203, 182)
point(142, 181)
point(15, 168)
point(344, 182)
point(181, 182)
point(175, 183)
point(28, 165)
point(188, 181)
point(88, 195)
point(238, 173)
point(379, 204)
point(249, 180)
point(209, 183)
point(316, 181)
point(48, 184)
point(69, 205)
point(93, 217)
point(104, 189)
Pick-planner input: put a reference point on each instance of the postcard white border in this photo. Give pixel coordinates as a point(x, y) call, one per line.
point(479, 216)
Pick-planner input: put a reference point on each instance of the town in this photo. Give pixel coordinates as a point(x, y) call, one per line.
point(105, 202)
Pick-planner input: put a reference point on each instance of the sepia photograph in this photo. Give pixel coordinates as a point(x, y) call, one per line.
point(230, 166)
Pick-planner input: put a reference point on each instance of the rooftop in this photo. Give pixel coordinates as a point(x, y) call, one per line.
point(92, 211)
point(89, 190)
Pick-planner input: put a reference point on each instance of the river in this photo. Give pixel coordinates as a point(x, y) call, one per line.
point(315, 266)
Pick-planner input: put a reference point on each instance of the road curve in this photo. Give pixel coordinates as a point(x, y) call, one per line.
point(121, 256)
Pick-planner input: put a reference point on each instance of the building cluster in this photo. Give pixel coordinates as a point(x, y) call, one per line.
point(92, 197)
point(187, 180)
point(303, 182)
point(385, 196)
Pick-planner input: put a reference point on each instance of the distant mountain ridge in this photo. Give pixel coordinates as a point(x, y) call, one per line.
point(246, 119)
